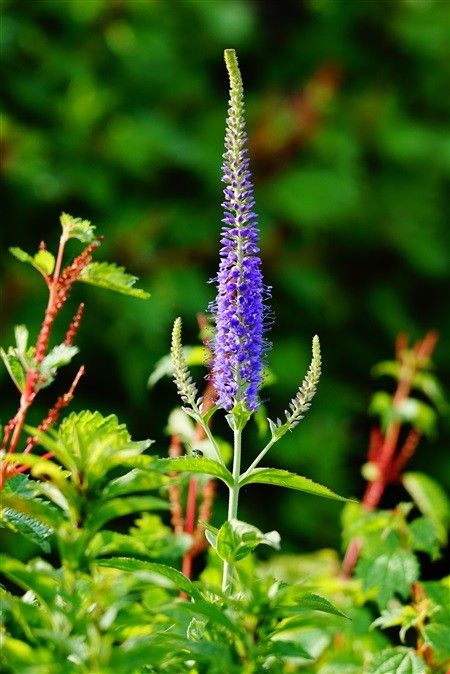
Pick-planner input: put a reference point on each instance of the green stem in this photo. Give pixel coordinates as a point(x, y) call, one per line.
point(210, 437)
point(262, 453)
point(233, 503)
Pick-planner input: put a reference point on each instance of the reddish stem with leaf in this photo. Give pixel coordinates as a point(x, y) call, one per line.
point(386, 455)
point(59, 284)
point(195, 512)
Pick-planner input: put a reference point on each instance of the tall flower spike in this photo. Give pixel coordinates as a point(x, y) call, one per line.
point(183, 380)
point(238, 346)
point(302, 401)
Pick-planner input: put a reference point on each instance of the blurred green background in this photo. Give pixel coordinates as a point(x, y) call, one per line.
point(114, 111)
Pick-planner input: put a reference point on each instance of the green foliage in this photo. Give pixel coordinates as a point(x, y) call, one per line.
point(108, 275)
point(388, 574)
point(283, 478)
point(397, 661)
point(43, 260)
point(431, 500)
point(86, 124)
point(235, 540)
point(23, 511)
point(76, 228)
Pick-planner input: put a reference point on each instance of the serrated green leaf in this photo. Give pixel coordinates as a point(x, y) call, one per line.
point(314, 602)
point(134, 481)
point(437, 636)
point(89, 445)
point(430, 498)
point(20, 497)
point(176, 578)
point(44, 261)
point(283, 478)
point(101, 513)
point(388, 574)
point(109, 275)
point(29, 527)
point(190, 464)
point(424, 536)
point(76, 228)
point(236, 539)
point(396, 661)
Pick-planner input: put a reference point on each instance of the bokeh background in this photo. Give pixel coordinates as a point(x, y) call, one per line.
point(114, 111)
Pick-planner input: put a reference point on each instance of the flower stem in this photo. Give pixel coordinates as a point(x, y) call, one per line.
point(233, 503)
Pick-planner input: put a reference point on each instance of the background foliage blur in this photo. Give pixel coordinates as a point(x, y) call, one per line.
point(114, 111)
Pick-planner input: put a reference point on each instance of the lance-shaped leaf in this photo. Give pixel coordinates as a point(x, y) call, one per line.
point(30, 528)
point(283, 478)
point(191, 464)
point(109, 275)
point(137, 566)
point(43, 582)
point(134, 481)
point(101, 513)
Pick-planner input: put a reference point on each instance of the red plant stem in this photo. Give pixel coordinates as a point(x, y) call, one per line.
point(406, 452)
point(177, 519)
point(59, 286)
point(189, 525)
point(54, 412)
point(196, 530)
point(382, 454)
point(74, 325)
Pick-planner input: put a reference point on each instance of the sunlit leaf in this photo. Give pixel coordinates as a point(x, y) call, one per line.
point(389, 574)
point(190, 464)
point(112, 277)
point(396, 661)
point(430, 498)
point(283, 478)
point(76, 228)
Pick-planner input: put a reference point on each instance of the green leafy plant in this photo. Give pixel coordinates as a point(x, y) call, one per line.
point(99, 589)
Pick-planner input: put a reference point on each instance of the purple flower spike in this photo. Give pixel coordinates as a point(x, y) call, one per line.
point(238, 346)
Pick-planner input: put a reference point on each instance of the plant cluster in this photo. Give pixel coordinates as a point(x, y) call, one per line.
point(102, 592)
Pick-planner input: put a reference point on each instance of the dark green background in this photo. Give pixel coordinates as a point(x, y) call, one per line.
point(114, 111)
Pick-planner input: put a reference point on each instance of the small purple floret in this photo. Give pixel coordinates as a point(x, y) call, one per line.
point(239, 345)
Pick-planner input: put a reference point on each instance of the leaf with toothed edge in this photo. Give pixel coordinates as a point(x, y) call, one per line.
point(190, 464)
point(283, 478)
point(76, 228)
point(112, 277)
